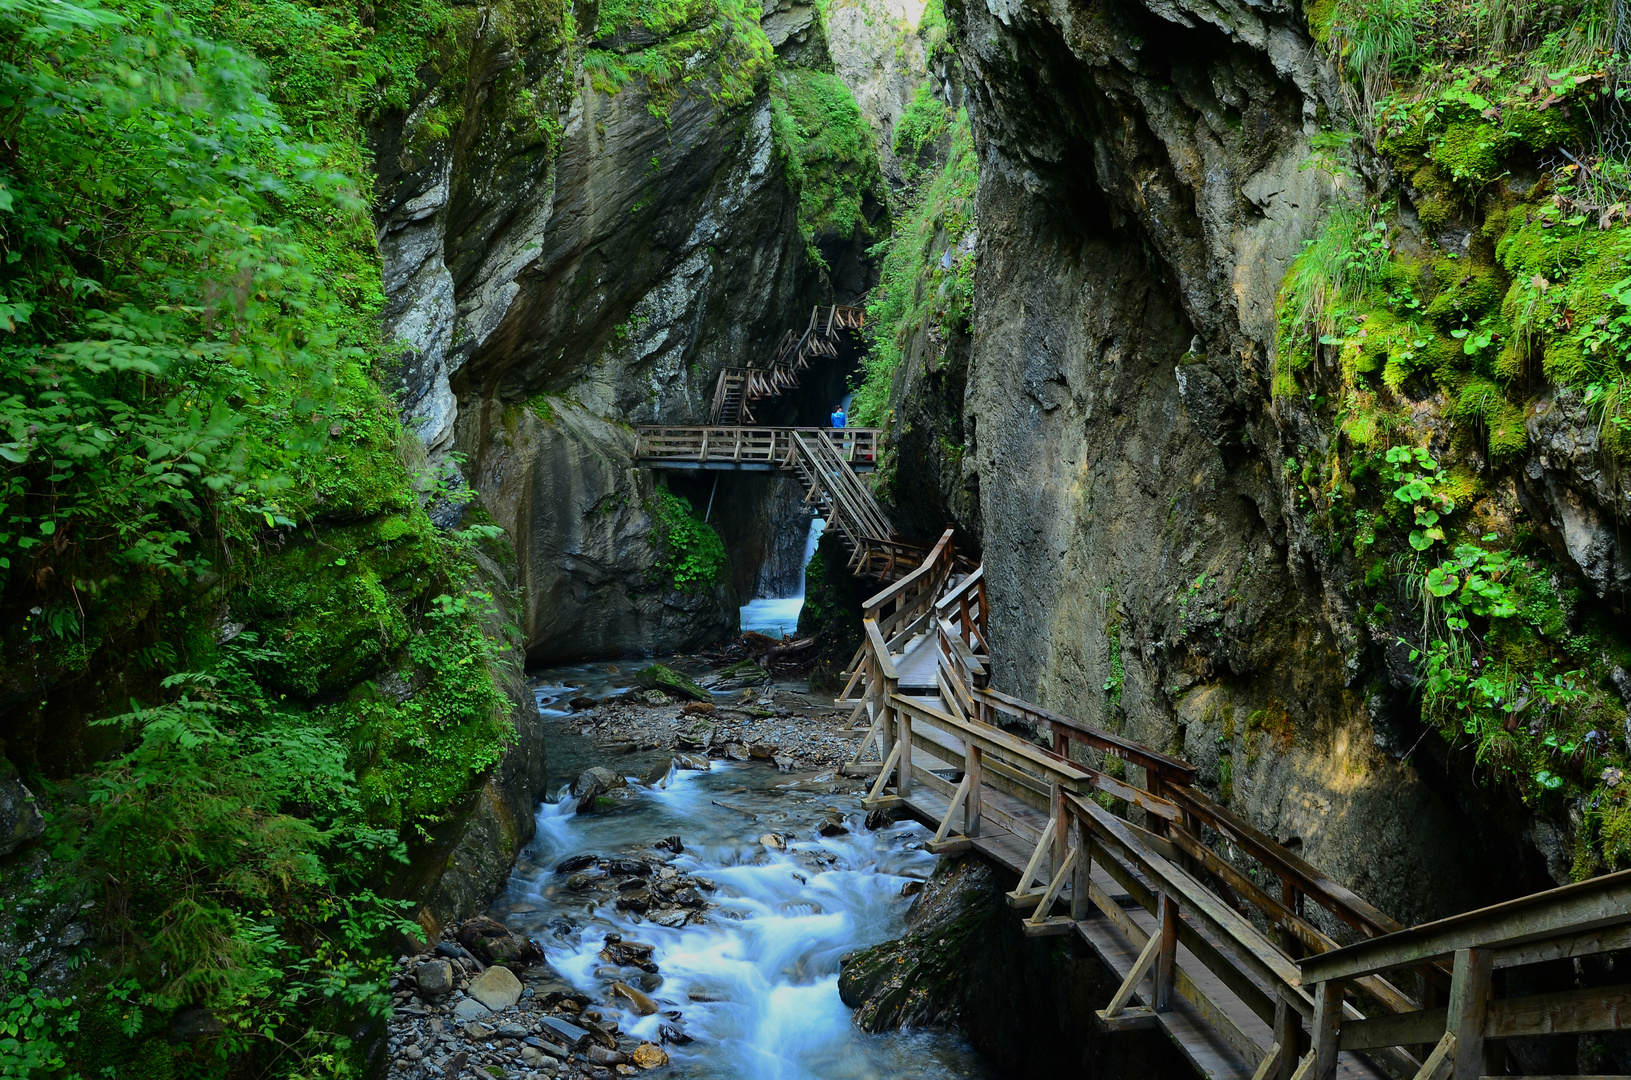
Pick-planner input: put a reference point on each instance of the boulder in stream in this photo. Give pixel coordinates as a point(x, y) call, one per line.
point(593, 783)
point(491, 942)
point(668, 681)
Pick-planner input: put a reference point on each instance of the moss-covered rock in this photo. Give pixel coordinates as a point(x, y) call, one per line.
point(669, 681)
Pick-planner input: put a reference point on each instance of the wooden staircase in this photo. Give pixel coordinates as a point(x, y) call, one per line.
point(826, 461)
point(739, 388)
point(1226, 961)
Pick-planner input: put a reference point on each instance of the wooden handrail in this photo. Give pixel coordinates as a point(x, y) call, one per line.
point(1580, 907)
point(872, 604)
point(1169, 768)
point(880, 653)
point(1337, 899)
point(1255, 952)
point(961, 589)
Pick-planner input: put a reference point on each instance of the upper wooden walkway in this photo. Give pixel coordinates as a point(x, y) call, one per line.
point(1233, 970)
point(739, 388)
point(826, 461)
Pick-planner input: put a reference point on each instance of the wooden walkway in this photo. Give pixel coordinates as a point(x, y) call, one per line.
point(1240, 980)
point(739, 388)
point(827, 462)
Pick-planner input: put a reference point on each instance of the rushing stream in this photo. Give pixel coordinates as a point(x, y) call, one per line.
point(756, 984)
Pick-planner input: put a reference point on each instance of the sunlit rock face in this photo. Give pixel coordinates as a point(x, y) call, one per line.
point(1142, 193)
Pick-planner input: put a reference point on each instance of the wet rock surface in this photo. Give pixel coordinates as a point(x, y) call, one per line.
point(1027, 1003)
point(786, 729)
point(527, 1024)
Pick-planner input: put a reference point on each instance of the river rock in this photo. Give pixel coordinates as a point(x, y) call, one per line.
point(697, 737)
point(656, 699)
point(637, 900)
point(626, 953)
point(602, 1056)
point(492, 942)
point(649, 1056)
point(434, 977)
point(742, 674)
point(497, 988)
point(693, 708)
point(774, 841)
point(553, 1027)
point(583, 703)
point(667, 680)
point(694, 762)
point(736, 751)
point(671, 844)
point(832, 825)
point(471, 1009)
point(626, 867)
point(637, 999)
point(592, 783)
point(761, 751)
point(576, 863)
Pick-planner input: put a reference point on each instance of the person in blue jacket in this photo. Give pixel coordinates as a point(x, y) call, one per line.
point(838, 417)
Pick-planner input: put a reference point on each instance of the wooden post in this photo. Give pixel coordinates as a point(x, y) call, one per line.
point(1292, 898)
point(1327, 1022)
point(1061, 834)
point(972, 808)
point(1152, 784)
point(1288, 1030)
point(903, 782)
point(1469, 1000)
point(1081, 870)
point(1166, 964)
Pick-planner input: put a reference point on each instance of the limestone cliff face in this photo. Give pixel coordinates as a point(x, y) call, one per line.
point(564, 262)
point(1141, 196)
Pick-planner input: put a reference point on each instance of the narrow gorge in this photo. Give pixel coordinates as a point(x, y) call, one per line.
point(496, 494)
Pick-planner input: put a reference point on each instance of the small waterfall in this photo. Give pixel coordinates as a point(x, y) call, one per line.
point(779, 616)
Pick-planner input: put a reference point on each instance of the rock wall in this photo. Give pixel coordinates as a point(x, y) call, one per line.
point(1141, 196)
point(555, 280)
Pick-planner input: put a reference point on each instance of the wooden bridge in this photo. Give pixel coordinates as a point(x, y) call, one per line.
point(739, 388)
point(825, 460)
point(1236, 972)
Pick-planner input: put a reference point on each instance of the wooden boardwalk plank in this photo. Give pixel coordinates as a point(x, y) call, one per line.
point(917, 666)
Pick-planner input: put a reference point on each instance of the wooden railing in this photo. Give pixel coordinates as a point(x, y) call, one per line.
point(738, 388)
point(749, 448)
point(1584, 919)
point(934, 745)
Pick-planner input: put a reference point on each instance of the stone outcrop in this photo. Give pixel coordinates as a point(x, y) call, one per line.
point(1141, 197)
point(1026, 1003)
point(553, 278)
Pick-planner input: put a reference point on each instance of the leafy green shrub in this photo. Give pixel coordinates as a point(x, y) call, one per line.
point(926, 282)
point(724, 32)
point(921, 126)
point(692, 552)
point(232, 847)
point(191, 423)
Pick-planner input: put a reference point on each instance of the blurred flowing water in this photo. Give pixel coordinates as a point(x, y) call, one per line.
point(757, 985)
point(779, 616)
